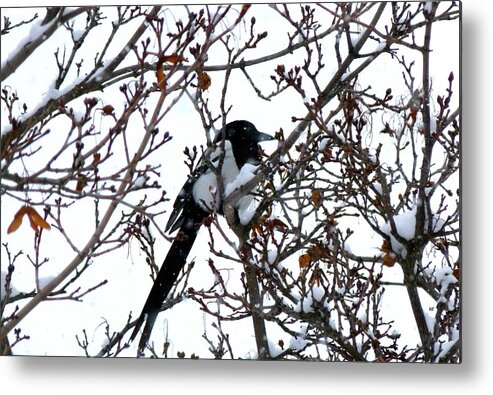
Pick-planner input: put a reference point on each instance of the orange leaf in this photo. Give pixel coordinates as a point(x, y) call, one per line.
point(17, 221)
point(304, 260)
point(96, 158)
point(414, 113)
point(318, 252)
point(257, 229)
point(36, 220)
point(172, 58)
point(389, 259)
point(386, 246)
point(277, 223)
point(204, 81)
point(81, 183)
point(316, 198)
point(161, 78)
point(14, 225)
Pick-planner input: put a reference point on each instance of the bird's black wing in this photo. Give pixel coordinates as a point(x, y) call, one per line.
point(175, 220)
point(185, 196)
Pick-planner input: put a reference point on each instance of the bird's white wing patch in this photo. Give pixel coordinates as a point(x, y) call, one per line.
point(204, 190)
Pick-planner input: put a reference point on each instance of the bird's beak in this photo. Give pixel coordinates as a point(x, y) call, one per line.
point(264, 137)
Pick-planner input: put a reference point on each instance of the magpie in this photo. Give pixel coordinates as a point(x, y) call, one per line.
point(235, 146)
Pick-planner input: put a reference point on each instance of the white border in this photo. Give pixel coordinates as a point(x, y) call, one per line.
point(82, 376)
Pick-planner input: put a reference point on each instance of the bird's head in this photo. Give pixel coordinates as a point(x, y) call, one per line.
point(243, 132)
point(244, 138)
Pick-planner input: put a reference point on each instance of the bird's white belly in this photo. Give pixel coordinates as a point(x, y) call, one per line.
point(205, 190)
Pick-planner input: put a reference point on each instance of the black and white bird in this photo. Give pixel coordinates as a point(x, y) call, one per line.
point(235, 146)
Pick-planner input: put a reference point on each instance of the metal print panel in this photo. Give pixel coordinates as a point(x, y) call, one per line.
point(247, 181)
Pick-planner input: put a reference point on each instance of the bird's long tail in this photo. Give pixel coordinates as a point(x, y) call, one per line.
point(173, 263)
